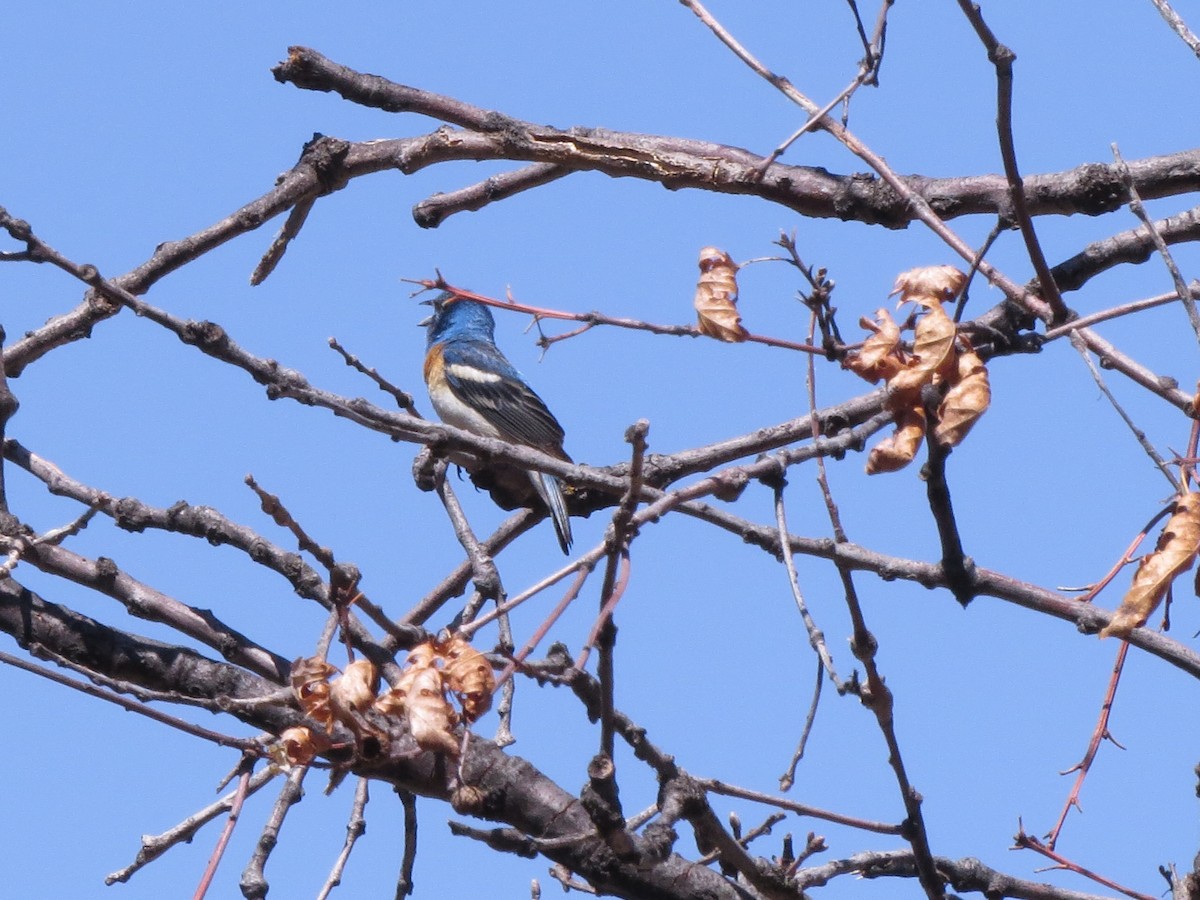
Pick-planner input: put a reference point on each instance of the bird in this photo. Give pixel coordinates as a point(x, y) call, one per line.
point(473, 386)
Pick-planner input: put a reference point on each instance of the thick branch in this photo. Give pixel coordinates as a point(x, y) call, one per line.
point(680, 162)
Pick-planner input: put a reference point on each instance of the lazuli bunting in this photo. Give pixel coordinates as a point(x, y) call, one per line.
point(473, 387)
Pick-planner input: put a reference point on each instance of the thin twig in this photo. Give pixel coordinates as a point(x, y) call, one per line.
point(403, 398)
point(876, 695)
point(1124, 309)
point(788, 778)
point(868, 73)
point(615, 591)
point(958, 567)
point(1029, 842)
point(758, 831)
point(816, 637)
point(621, 532)
point(404, 881)
point(1099, 733)
point(800, 809)
point(1002, 58)
point(483, 568)
point(253, 882)
point(530, 645)
point(467, 629)
point(1178, 25)
point(154, 846)
point(53, 537)
point(235, 811)
point(993, 235)
point(1136, 207)
point(290, 230)
point(221, 740)
point(592, 319)
point(1137, 432)
point(356, 827)
point(432, 211)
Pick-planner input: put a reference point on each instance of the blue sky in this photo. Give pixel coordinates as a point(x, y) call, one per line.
point(127, 126)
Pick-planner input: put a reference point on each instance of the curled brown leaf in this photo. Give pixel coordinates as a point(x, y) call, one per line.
point(933, 354)
point(716, 297)
point(1174, 554)
point(430, 718)
point(298, 746)
point(969, 396)
point(310, 683)
point(354, 690)
point(879, 357)
point(929, 285)
point(897, 451)
point(469, 675)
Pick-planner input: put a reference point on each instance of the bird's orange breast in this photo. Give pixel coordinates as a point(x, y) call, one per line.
point(435, 367)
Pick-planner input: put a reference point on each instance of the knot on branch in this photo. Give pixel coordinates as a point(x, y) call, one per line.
point(208, 336)
point(1098, 189)
point(325, 156)
point(658, 839)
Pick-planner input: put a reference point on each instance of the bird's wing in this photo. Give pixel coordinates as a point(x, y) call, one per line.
point(482, 378)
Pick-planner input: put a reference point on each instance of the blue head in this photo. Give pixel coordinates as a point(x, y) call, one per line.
point(459, 319)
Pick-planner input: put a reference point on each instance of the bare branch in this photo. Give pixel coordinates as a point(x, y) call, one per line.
point(254, 881)
point(355, 828)
point(246, 770)
point(154, 846)
point(1002, 58)
point(1177, 24)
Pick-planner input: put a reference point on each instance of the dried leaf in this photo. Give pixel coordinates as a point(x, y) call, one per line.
point(896, 452)
point(419, 694)
point(1176, 551)
point(309, 679)
point(929, 285)
point(933, 354)
point(354, 691)
point(716, 297)
point(879, 356)
point(430, 718)
point(298, 746)
point(967, 400)
point(469, 675)
point(422, 656)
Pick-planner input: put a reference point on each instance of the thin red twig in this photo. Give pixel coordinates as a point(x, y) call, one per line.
point(1099, 733)
point(1025, 841)
point(235, 812)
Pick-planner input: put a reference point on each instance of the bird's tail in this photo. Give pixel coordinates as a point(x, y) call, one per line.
point(550, 490)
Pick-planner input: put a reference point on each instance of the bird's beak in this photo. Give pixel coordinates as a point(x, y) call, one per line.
point(428, 320)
